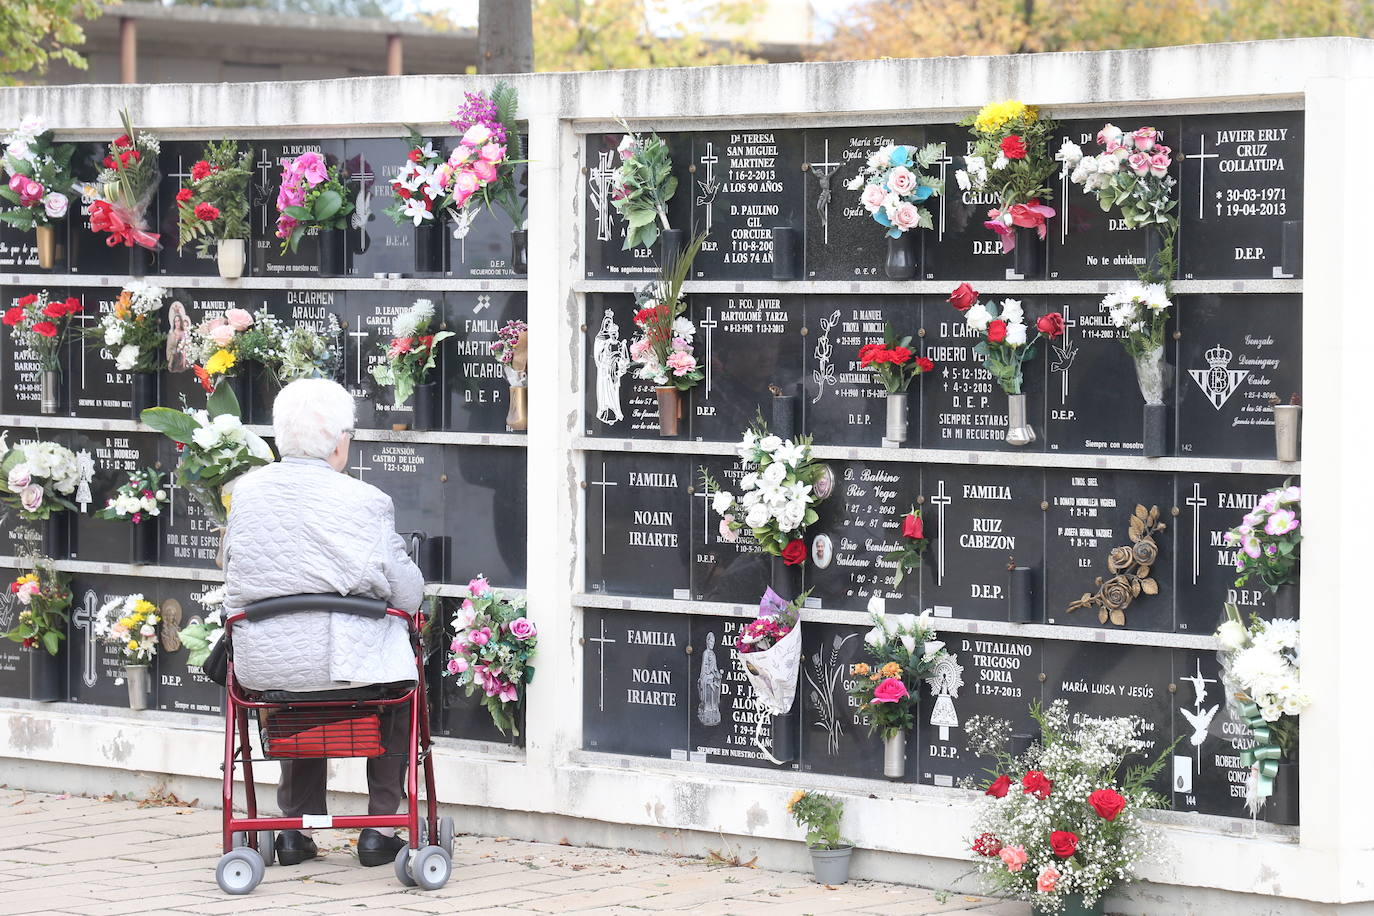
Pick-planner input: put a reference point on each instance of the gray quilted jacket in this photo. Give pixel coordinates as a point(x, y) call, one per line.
point(300, 527)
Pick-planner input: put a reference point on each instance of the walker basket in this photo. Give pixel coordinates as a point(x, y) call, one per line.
point(293, 733)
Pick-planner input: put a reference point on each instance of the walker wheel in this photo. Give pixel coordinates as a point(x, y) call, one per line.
point(267, 847)
point(239, 871)
point(446, 835)
point(431, 868)
point(402, 867)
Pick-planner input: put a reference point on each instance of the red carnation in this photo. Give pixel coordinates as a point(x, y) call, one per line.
point(1036, 783)
point(1064, 843)
point(13, 316)
point(924, 364)
point(55, 309)
point(1108, 803)
point(987, 845)
point(207, 212)
point(184, 195)
point(899, 355)
point(866, 354)
point(109, 162)
point(26, 301)
point(794, 554)
point(963, 297)
point(1051, 325)
point(200, 170)
point(123, 142)
point(73, 305)
point(427, 341)
point(45, 328)
point(999, 786)
point(997, 330)
point(1013, 147)
point(403, 193)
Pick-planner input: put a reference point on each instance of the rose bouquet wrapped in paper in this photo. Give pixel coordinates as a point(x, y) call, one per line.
point(492, 647)
point(312, 196)
point(212, 205)
point(39, 478)
point(769, 651)
point(131, 333)
point(44, 597)
point(409, 356)
point(125, 188)
point(903, 651)
point(480, 170)
point(42, 324)
point(37, 177)
point(641, 187)
point(1011, 160)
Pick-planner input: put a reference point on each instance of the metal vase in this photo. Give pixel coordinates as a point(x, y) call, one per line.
point(331, 253)
point(786, 580)
point(1021, 595)
point(47, 246)
point(50, 398)
point(143, 540)
point(144, 393)
point(1286, 602)
point(785, 265)
point(1287, 430)
point(56, 531)
point(896, 419)
point(672, 242)
point(520, 251)
point(427, 403)
point(431, 244)
point(894, 755)
point(1019, 432)
point(669, 410)
point(48, 675)
point(831, 866)
point(517, 417)
point(1028, 257)
point(901, 257)
point(136, 679)
point(783, 416)
point(230, 256)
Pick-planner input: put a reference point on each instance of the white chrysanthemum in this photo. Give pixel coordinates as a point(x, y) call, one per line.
point(1255, 665)
point(683, 328)
point(127, 358)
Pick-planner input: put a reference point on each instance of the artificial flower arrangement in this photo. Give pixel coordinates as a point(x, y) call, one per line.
point(138, 499)
point(42, 324)
point(132, 331)
point(225, 344)
point(1011, 160)
point(893, 184)
point(409, 356)
point(1059, 826)
point(1267, 539)
point(215, 448)
point(129, 622)
point(481, 168)
point(769, 651)
point(308, 352)
point(212, 205)
point(491, 651)
point(312, 196)
point(1132, 175)
point(39, 478)
point(418, 191)
point(40, 183)
point(201, 635)
point(896, 366)
point(1141, 310)
point(907, 556)
point(44, 597)
point(511, 350)
point(1261, 668)
point(903, 652)
point(125, 187)
point(662, 351)
point(1005, 348)
point(641, 187)
point(777, 493)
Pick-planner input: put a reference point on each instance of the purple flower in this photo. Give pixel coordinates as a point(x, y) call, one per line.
point(478, 109)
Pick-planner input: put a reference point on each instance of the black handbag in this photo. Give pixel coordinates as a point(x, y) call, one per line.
point(216, 666)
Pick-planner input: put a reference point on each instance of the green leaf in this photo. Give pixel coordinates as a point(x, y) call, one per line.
point(52, 641)
point(299, 213)
point(327, 204)
point(223, 401)
point(640, 216)
point(170, 422)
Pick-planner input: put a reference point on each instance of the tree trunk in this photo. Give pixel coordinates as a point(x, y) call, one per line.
point(505, 36)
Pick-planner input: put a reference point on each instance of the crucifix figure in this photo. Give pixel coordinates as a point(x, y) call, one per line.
point(599, 183)
point(601, 652)
point(603, 483)
point(823, 172)
point(1197, 502)
point(939, 501)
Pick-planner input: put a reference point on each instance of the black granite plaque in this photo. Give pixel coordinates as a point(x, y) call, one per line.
point(97, 668)
point(836, 737)
point(977, 521)
point(19, 249)
point(742, 185)
point(461, 716)
point(1242, 205)
point(1089, 516)
point(724, 719)
point(619, 404)
point(485, 513)
point(97, 388)
point(857, 528)
point(843, 403)
point(478, 386)
point(375, 242)
point(745, 344)
point(112, 456)
point(961, 247)
point(1237, 354)
point(188, 309)
point(268, 259)
point(605, 228)
point(18, 536)
point(637, 511)
point(367, 322)
point(412, 475)
point(724, 570)
point(19, 369)
point(1000, 679)
point(180, 687)
point(310, 308)
point(1086, 242)
point(87, 251)
point(635, 672)
point(176, 160)
point(189, 533)
point(962, 405)
point(1209, 506)
point(480, 244)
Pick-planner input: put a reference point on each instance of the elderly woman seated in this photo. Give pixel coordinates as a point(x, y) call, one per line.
point(302, 526)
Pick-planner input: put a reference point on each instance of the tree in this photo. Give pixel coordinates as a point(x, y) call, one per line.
point(621, 34)
point(36, 32)
point(504, 38)
point(1249, 20)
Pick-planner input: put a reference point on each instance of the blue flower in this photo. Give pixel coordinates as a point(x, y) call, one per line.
point(900, 155)
point(921, 192)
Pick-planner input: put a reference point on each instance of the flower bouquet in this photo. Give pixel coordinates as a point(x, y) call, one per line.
point(819, 815)
point(491, 652)
point(661, 351)
point(1011, 161)
point(132, 332)
point(907, 557)
point(481, 168)
point(213, 206)
point(42, 325)
point(896, 367)
point(313, 196)
point(39, 478)
point(409, 357)
point(1069, 829)
point(131, 624)
point(1266, 542)
point(904, 651)
point(39, 185)
point(225, 345)
point(769, 651)
point(1261, 668)
point(308, 352)
point(1142, 312)
point(420, 198)
point(641, 187)
point(1006, 348)
point(1132, 174)
point(124, 189)
point(511, 350)
point(893, 184)
point(138, 501)
point(44, 596)
point(200, 636)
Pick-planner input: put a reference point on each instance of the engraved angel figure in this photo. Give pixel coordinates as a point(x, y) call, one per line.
point(709, 685)
point(612, 358)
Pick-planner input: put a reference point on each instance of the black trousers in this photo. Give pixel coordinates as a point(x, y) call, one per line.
point(304, 783)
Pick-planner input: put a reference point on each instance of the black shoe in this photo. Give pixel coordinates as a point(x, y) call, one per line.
point(375, 849)
point(294, 847)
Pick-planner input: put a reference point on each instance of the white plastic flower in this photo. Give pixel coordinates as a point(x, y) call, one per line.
point(127, 358)
point(683, 328)
point(1012, 310)
point(770, 444)
point(1016, 334)
point(977, 317)
point(749, 481)
point(1232, 635)
point(775, 473)
point(960, 176)
point(722, 501)
point(757, 516)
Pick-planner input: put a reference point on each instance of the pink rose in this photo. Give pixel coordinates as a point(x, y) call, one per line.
point(726, 533)
point(890, 690)
point(901, 180)
point(1046, 880)
point(1159, 165)
point(1145, 138)
point(460, 155)
point(478, 587)
point(222, 335)
point(1139, 163)
point(55, 205)
point(461, 646)
point(481, 637)
point(30, 193)
point(873, 197)
point(466, 183)
point(27, 591)
point(493, 152)
point(906, 216)
point(476, 136)
point(31, 497)
point(453, 666)
point(20, 476)
point(17, 182)
point(522, 628)
point(1014, 857)
point(458, 665)
point(627, 147)
point(239, 319)
point(1110, 144)
point(484, 170)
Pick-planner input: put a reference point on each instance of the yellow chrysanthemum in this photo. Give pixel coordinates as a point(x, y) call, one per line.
point(132, 645)
point(796, 797)
point(220, 363)
point(993, 116)
point(859, 670)
point(145, 607)
point(891, 669)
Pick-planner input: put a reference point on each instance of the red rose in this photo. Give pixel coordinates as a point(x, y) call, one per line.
point(73, 305)
point(45, 328)
point(794, 554)
point(14, 587)
point(997, 330)
point(415, 155)
point(924, 365)
point(26, 301)
point(184, 195)
point(1038, 784)
point(899, 355)
point(963, 297)
point(1064, 843)
point(1013, 147)
point(55, 309)
point(913, 527)
point(123, 142)
point(999, 786)
point(1051, 325)
point(200, 170)
point(29, 642)
point(109, 162)
point(13, 316)
point(1108, 803)
point(987, 845)
point(207, 212)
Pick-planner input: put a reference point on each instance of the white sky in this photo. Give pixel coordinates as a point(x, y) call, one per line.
point(464, 12)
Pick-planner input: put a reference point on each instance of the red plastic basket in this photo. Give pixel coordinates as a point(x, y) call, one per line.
point(310, 733)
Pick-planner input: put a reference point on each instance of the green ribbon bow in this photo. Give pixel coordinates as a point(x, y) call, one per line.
point(1265, 754)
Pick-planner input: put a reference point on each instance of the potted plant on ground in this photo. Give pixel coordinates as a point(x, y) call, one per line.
point(212, 206)
point(893, 184)
point(661, 351)
point(1266, 543)
point(139, 501)
point(37, 479)
point(896, 367)
point(39, 184)
point(491, 650)
point(313, 196)
point(641, 186)
point(122, 193)
point(131, 623)
point(481, 168)
point(903, 651)
point(512, 350)
point(819, 815)
point(1141, 312)
point(409, 358)
point(44, 597)
point(132, 335)
point(43, 325)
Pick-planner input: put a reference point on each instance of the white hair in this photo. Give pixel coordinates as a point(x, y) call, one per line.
point(309, 416)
